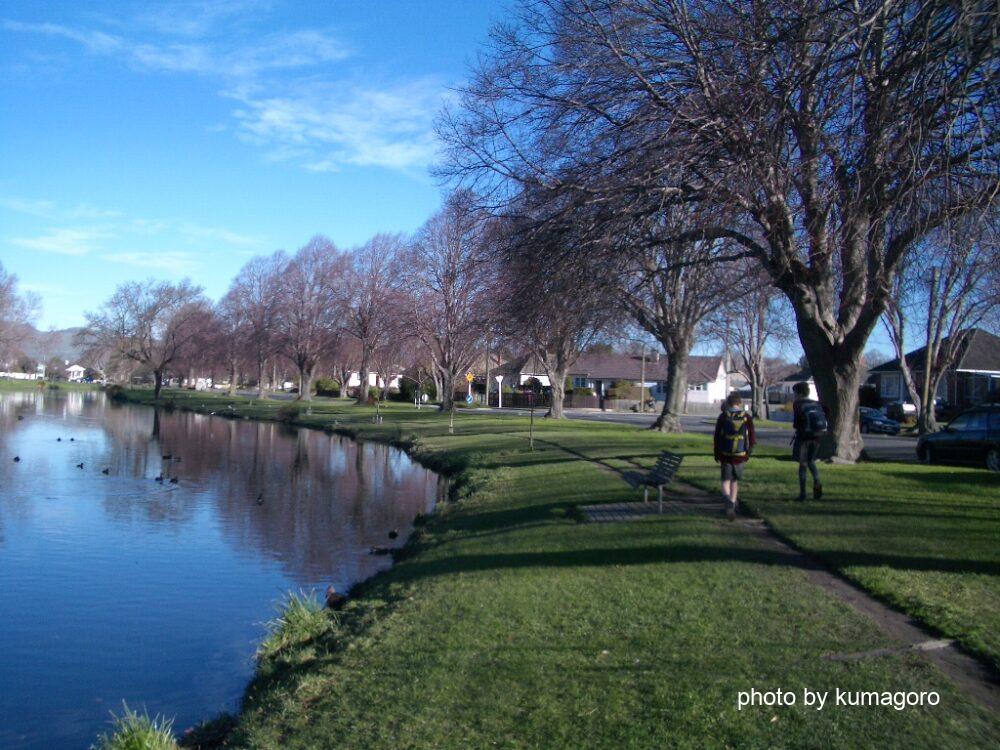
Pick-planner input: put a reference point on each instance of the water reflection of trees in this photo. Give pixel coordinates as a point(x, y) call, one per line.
point(312, 501)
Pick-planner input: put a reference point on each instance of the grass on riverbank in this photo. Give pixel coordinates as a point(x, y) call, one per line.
point(508, 623)
point(10, 384)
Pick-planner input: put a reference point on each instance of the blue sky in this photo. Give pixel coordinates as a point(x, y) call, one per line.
point(180, 139)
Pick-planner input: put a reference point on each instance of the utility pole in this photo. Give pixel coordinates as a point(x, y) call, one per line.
point(925, 395)
point(487, 387)
point(642, 384)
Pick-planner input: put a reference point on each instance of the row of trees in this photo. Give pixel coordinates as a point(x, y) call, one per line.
point(377, 308)
point(822, 142)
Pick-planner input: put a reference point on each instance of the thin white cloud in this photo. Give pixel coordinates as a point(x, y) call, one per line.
point(40, 208)
point(64, 241)
point(277, 51)
point(176, 262)
point(325, 126)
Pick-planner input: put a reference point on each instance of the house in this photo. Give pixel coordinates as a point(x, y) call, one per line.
point(374, 380)
point(781, 392)
point(75, 373)
point(974, 376)
point(707, 379)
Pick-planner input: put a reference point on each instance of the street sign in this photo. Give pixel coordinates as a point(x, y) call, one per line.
point(468, 399)
point(469, 377)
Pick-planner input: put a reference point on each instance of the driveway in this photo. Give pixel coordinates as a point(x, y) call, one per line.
point(879, 447)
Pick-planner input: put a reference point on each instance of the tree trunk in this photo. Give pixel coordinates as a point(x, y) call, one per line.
point(757, 392)
point(157, 383)
point(676, 386)
point(305, 383)
point(232, 377)
point(260, 378)
point(836, 369)
point(448, 391)
point(363, 376)
point(557, 377)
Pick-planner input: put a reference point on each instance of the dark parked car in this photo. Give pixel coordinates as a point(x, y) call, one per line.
point(971, 437)
point(872, 420)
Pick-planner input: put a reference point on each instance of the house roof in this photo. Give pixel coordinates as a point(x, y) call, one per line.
point(629, 367)
point(798, 376)
point(981, 351)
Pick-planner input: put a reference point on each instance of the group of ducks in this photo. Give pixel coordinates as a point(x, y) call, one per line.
point(106, 470)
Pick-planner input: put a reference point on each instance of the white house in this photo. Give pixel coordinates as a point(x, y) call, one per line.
point(74, 373)
point(373, 381)
point(781, 392)
point(706, 376)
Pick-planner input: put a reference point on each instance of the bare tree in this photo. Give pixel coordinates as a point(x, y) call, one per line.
point(312, 293)
point(451, 283)
point(232, 334)
point(830, 137)
point(553, 305)
point(17, 311)
point(255, 299)
point(375, 278)
point(949, 286)
point(755, 326)
point(151, 323)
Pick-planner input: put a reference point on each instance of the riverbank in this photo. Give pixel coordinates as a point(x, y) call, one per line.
point(506, 621)
point(10, 384)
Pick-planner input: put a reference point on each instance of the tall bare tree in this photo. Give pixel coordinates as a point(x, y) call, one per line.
point(830, 137)
point(17, 311)
point(756, 327)
point(948, 287)
point(452, 280)
point(255, 299)
point(151, 323)
point(312, 292)
point(375, 278)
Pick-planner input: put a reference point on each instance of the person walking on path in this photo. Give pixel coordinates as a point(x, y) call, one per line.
point(734, 441)
point(810, 424)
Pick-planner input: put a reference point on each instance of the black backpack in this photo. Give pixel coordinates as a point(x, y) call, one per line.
point(814, 424)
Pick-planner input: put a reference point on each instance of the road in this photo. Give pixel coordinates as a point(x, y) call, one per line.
point(879, 447)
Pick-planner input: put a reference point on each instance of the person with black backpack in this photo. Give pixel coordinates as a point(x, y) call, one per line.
point(810, 424)
point(734, 441)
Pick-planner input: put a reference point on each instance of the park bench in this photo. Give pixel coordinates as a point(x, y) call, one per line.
point(661, 474)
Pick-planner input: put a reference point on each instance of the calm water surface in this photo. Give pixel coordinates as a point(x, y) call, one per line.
point(116, 587)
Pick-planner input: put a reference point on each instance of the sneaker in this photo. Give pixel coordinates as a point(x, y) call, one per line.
point(817, 492)
point(801, 498)
point(731, 511)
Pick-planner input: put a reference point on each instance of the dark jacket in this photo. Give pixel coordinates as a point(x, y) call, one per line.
point(720, 437)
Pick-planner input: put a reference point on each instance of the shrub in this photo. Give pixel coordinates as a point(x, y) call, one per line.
point(288, 413)
point(134, 731)
point(302, 618)
point(624, 389)
point(327, 387)
point(53, 386)
point(583, 391)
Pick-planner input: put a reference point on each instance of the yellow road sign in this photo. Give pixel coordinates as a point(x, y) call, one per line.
point(469, 376)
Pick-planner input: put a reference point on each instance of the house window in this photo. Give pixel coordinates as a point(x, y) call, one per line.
point(579, 382)
point(697, 386)
point(890, 385)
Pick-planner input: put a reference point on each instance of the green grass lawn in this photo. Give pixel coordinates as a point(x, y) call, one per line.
point(508, 623)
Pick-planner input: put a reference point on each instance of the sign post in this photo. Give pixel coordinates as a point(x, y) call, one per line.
point(499, 379)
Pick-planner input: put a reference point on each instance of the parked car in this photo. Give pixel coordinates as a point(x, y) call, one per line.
point(971, 437)
point(872, 420)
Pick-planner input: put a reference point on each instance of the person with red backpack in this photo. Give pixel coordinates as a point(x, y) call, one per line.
point(734, 441)
point(810, 424)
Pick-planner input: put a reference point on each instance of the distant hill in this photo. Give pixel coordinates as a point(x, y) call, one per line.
point(44, 345)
